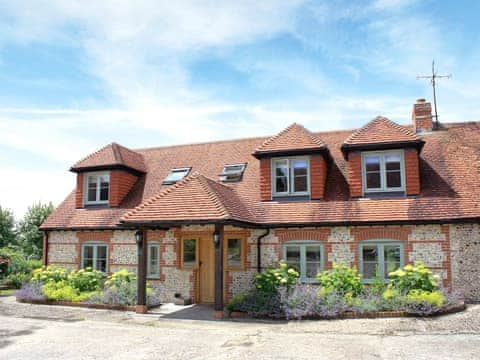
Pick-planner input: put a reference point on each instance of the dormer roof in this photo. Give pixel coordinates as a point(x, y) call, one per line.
point(295, 139)
point(194, 198)
point(381, 133)
point(110, 157)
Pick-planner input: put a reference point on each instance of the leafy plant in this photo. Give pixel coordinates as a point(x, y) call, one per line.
point(62, 290)
point(16, 280)
point(413, 277)
point(258, 303)
point(50, 273)
point(235, 303)
point(436, 298)
point(341, 279)
point(86, 280)
point(7, 224)
point(269, 280)
point(377, 286)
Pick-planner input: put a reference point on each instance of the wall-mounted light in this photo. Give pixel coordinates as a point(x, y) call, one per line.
point(216, 239)
point(138, 237)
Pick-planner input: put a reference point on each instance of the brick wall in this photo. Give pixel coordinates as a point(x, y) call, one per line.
point(355, 174)
point(121, 183)
point(79, 192)
point(265, 179)
point(318, 176)
point(412, 172)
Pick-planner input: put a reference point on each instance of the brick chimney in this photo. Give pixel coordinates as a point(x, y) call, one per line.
point(422, 116)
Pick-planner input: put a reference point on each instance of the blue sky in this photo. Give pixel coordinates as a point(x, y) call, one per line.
point(76, 75)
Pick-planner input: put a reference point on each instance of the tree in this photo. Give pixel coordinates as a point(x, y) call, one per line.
point(29, 237)
point(7, 232)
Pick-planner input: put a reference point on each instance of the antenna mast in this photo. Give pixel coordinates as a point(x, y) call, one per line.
point(433, 81)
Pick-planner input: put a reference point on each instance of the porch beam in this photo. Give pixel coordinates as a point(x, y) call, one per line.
point(218, 241)
point(141, 239)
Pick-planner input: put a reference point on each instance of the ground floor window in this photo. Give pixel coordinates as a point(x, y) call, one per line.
point(305, 257)
point(153, 260)
point(234, 253)
point(379, 258)
point(95, 255)
point(189, 252)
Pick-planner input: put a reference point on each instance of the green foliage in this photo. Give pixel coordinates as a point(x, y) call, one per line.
point(29, 237)
point(16, 280)
point(271, 279)
point(7, 232)
point(17, 270)
point(413, 277)
point(341, 279)
point(50, 273)
point(235, 303)
point(120, 278)
point(435, 298)
point(86, 280)
point(377, 286)
point(62, 290)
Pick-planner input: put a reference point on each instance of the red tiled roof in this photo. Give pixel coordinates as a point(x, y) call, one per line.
point(449, 167)
point(294, 137)
point(380, 131)
point(195, 197)
point(112, 155)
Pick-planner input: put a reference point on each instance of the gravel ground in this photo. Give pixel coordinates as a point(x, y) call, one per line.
point(51, 332)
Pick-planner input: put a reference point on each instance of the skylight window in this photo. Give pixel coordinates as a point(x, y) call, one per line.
point(233, 172)
point(175, 175)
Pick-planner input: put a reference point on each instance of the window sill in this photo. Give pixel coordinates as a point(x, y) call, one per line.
point(291, 198)
point(384, 194)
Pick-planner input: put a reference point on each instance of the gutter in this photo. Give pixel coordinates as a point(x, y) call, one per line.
point(259, 253)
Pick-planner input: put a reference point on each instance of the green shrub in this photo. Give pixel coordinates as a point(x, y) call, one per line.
point(62, 290)
point(435, 298)
point(16, 280)
point(341, 279)
point(50, 273)
point(18, 269)
point(120, 277)
point(413, 277)
point(86, 280)
point(271, 279)
point(235, 303)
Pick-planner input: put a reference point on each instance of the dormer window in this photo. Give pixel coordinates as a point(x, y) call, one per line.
point(290, 176)
point(176, 175)
point(97, 188)
point(383, 171)
point(233, 172)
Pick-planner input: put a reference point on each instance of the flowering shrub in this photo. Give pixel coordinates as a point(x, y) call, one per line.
point(49, 273)
point(413, 277)
point(31, 291)
point(62, 290)
point(86, 280)
point(436, 298)
point(257, 303)
point(271, 279)
point(341, 279)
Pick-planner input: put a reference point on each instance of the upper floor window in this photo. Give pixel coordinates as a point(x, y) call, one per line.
point(305, 257)
point(97, 186)
point(233, 172)
point(290, 176)
point(176, 174)
point(383, 171)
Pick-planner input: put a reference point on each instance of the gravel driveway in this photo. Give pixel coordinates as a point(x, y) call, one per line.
point(48, 332)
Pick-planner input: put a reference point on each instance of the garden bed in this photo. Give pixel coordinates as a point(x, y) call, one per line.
point(460, 306)
point(79, 304)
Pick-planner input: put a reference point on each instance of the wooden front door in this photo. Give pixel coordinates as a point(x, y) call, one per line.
point(207, 270)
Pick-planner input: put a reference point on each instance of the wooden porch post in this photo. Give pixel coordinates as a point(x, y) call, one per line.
point(141, 238)
point(218, 238)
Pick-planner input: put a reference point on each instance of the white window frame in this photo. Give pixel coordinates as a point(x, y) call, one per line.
point(303, 261)
point(180, 169)
point(156, 274)
point(98, 174)
point(383, 172)
point(290, 183)
point(237, 173)
point(380, 244)
point(95, 245)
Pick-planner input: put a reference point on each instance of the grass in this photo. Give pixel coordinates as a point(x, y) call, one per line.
point(8, 292)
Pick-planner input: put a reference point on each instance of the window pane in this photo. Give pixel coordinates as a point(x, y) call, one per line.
point(101, 252)
point(392, 162)
point(313, 253)
point(293, 253)
point(300, 184)
point(101, 265)
point(281, 171)
point(390, 267)
point(394, 179)
point(87, 263)
point(369, 253)
point(189, 252)
point(392, 253)
point(176, 174)
point(312, 269)
point(369, 270)
point(299, 167)
point(153, 260)
point(92, 191)
point(372, 163)
point(88, 252)
point(234, 253)
point(104, 193)
point(281, 184)
point(373, 180)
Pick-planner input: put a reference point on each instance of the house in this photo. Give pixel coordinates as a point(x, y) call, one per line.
point(201, 219)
